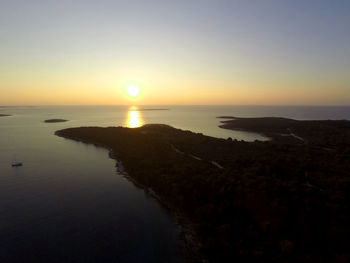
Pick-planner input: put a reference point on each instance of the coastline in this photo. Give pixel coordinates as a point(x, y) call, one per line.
point(284, 130)
point(188, 240)
point(178, 169)
point(189, 243)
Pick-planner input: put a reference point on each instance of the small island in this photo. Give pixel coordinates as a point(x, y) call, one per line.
point(282, 200)
point(55, 120)
point(153, 109)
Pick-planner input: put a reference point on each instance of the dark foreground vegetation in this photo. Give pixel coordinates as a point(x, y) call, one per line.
point(55, 120)
point(283, 200)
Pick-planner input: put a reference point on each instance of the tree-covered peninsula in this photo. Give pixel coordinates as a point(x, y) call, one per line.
point(282, 200)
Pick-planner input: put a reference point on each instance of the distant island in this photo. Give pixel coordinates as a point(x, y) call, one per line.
point(151, 109)
point(55, 120)
point(4, 115)
point(282, 200)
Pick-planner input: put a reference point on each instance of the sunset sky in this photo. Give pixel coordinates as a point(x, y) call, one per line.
point(176, 52)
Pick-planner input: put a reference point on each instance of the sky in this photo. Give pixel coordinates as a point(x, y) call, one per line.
point(232, 52)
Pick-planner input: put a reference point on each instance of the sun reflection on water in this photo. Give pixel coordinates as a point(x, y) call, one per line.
point(134, 118)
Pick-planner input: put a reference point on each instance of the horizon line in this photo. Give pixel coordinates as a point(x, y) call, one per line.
point(142, 105)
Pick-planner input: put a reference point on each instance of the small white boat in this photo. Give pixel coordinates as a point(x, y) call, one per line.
point(15, 163)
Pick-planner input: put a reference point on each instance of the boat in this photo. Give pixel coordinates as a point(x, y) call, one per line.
point(16, 164)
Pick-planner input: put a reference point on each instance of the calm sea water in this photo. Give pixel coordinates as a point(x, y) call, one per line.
point(68, 203)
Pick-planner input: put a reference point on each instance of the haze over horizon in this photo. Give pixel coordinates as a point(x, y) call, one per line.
point(175, 52)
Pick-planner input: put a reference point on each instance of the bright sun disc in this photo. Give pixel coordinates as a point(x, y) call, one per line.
point(133, 91)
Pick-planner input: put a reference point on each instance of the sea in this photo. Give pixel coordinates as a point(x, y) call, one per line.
point(68, 203)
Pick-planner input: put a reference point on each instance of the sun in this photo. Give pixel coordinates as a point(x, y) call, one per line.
point(133, 91)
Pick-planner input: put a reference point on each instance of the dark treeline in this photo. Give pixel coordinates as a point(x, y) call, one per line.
point(283, 200)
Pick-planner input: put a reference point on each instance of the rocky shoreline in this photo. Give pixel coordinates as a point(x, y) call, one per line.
point(189, 241)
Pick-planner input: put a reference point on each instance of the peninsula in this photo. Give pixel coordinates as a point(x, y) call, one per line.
point(4, 115)
point(317, 133)
point(282, 200)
